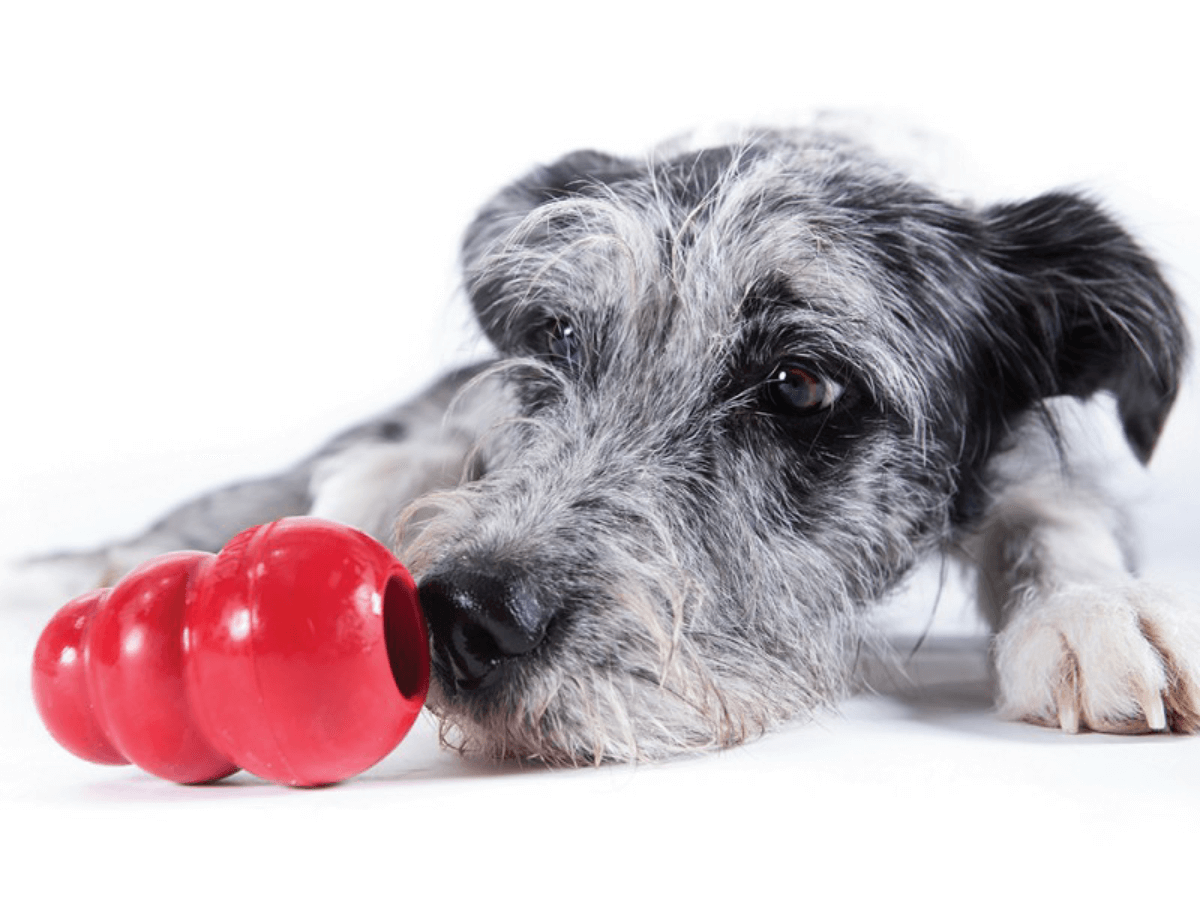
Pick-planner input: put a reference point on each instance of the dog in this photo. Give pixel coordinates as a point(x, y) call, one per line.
point(739, 391)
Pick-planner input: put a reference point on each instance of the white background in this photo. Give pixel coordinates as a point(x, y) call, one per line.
point(227, 229)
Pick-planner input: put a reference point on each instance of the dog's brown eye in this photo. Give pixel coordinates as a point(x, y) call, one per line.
point(794, 390)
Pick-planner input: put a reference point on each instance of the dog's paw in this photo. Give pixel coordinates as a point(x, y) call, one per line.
point(1122, 659)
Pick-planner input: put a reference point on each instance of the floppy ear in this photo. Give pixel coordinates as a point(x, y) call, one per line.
point(1095, 311)
point(575, 175)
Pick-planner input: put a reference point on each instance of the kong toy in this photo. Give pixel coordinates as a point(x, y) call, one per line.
point(297, 653)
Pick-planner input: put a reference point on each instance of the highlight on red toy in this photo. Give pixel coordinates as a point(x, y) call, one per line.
point(297, 653)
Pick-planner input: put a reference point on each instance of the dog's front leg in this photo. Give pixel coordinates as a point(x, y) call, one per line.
point(1081, 643)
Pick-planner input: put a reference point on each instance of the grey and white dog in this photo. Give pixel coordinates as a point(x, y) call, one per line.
point(740, 392)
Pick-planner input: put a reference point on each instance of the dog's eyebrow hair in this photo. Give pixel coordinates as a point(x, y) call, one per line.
point(771, 295)
point(768, 292)
point(795, 317)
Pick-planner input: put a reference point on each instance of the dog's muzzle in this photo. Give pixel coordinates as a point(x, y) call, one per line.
point(477, 623)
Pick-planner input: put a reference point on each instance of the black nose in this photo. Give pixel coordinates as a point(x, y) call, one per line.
point(477, 621)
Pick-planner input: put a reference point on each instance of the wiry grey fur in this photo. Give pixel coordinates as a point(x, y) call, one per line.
point(654, 549)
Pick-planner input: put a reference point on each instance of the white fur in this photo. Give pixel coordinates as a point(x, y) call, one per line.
point(1117, 656)
point(1082, 644)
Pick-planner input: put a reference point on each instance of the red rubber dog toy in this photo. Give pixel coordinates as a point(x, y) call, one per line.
point(298, 653)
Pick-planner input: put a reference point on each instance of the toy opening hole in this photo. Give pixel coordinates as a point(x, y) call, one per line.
point(407, 644)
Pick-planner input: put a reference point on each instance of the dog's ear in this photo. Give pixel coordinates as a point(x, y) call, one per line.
point(1094, 310)
point(574, 175)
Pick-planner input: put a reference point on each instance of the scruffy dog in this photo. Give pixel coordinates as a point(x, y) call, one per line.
point(741, 391)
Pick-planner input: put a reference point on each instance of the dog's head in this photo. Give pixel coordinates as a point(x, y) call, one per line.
point(751, 385)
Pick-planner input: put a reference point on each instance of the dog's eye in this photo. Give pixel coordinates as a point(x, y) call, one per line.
point(797, 391)
point(563, 346)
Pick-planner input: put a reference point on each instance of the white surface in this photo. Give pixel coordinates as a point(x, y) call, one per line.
point(226, 232)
